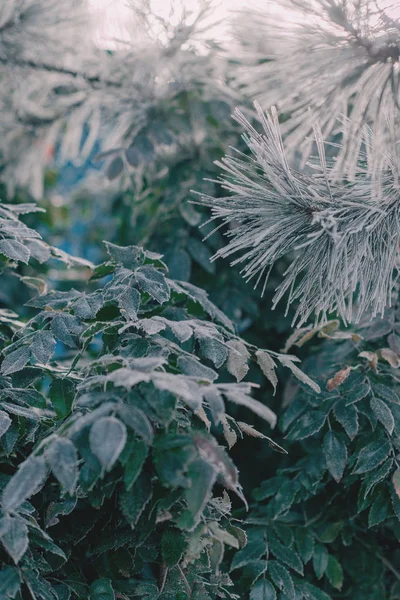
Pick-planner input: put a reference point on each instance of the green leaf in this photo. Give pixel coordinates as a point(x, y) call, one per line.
point(63, 461)
point(173, 545)
point(153, 282)
point(43, 345)
point(26, 482)
point(378, 475)
point(201, 254)
point(101, 589)
point(386, 393)
point(379, 511)
point(15, 361)
point(309, 424)
point(14, 537)
point(107, 438)
point(253, 550)
point(372, 456)
point(335, 452)
point(62, 393)
point(134, 501)
point(15, 250)
point(202, 477)
point(305, 544)
point(347, 417)
point(263, 590)
point(10, 583)
point(136, 419)
point(213, 349)
point(282, 579)
point(320, 560)
point(334, 573)
point(134, 465)
point(383, 414)
point(310, 592)
point(286, 555)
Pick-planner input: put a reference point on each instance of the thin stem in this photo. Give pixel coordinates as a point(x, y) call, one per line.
point(41, 66)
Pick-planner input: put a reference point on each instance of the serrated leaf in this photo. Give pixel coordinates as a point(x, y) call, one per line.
point(320, 560)
point(154, 283)
point(15, 361)
point(102, 589)
point(268, 366)
point(43, 345)
point(15, 250)
point(253, 550)
point(310, 592)
point(254, 405)
point(309, 424)
point(5, 422)
point(136, 419)
point(62, 393)
point(14, 537)
point(263, 590)
point(107, 439)
point(379, 511)
point(173, 545)
point(377, 476)
point(238, 357)
point(10, 583)
point(287, 362)
point(26, 482)
point(334, 573)
point(335, 452)
point(383, 414)
point(282, 579)
point(63, 461)
point(134, 465)
point(202, 477)
point(65, 326)
point(372, 456)
point(288, 556)
point(347, 417)
point(129, 303)
point(134, 502)
point(213, 349)
point(305, 544)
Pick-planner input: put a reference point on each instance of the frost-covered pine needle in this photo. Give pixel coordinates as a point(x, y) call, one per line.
point(322, 59)
point(342, 243)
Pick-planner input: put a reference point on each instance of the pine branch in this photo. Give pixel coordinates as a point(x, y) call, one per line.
point(342, 242)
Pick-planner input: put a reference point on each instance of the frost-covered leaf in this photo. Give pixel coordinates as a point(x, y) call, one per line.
point(263, 590)
point(129, 303)
point(14, 536)
point(107, 439)
point(15, 250)
point(238, 357)
point(268, 366)
point(320, 560)
point(26, 482)
point(10, 583)
point(372, 455)
point(282, 579)
point(335, 452)
point(173, 545)
point(5, 422)
point(153, 282)
point(134, 501)
point(63, 461)
point(43, 345)
point(383, 414)
point(287, 361)
point(15, 361)
point(202, 477)
point(254, 405)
